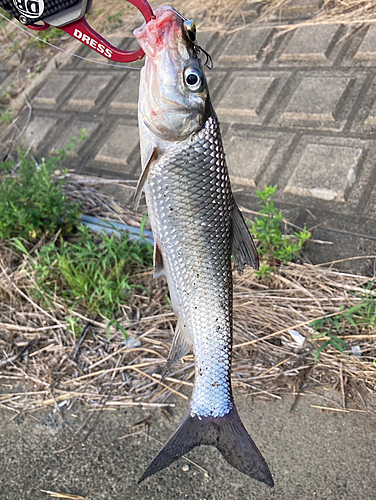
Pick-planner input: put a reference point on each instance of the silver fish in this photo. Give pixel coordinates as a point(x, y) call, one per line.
point(197, 226)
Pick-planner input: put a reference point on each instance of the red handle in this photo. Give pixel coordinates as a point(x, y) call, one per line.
point(82, 31)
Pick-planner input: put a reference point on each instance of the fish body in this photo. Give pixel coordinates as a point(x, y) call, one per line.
point(197, 227)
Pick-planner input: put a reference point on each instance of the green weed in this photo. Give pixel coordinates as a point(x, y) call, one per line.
point(115, 20)
point(93, 270)
point(273, 244)
point(6, 116)
point(51, 35)
point(360, 316)
point(3, 22)
point(74, 325)
point(31, 199)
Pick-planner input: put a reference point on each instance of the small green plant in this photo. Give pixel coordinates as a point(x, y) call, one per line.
point(95, 271)
point(333, 341)
point(51, 35)
point(73, 325)
point(362, 315)
point(3, 22)
point(118, 326)
point(273, 244)
point(6, 116)
point(31, 199)
point(115, 20)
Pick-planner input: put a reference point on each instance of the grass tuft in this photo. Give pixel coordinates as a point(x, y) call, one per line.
point(274, 246)
point(31, 200)
point(94, 271)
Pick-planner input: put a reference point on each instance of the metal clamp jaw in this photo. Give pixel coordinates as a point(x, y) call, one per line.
point(39, 15)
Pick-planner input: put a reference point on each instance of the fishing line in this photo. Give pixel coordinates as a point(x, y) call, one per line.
point(66, 51)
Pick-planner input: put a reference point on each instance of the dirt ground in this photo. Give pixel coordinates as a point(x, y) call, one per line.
point(312, 454)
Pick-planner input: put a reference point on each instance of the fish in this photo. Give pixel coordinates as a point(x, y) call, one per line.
point(197, 228)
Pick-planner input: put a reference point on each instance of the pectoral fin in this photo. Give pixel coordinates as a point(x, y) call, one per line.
point(179, 348)
point(143, 178)
point(243, 247)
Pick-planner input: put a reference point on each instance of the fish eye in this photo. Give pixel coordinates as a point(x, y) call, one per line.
point(194, 79)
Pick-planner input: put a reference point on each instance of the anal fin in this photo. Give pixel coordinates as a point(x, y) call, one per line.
point(143, 178)
point(179, 348)
point(243, 247)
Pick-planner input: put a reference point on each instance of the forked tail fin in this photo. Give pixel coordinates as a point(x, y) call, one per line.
point(227, 433)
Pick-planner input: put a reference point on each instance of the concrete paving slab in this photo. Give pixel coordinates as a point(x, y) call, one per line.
point(73, 131)
point(370, 209)
point(316, 99)
point(246, 164)
point(321, 100)
point(326, 162)
point(311, 43)
point(54, 90)
point(37, 131)
point(325, 171)
point(367, 49)
point(249, 97)
point(297, 9)
point(122, 140)
point(126, 98)
point(371, 118)
point(206, 39)
point(90, 91)
point(244, 47)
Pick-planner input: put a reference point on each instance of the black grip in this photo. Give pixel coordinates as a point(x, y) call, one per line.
point(31, 11)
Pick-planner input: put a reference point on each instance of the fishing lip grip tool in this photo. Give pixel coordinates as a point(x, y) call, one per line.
point(69, 16)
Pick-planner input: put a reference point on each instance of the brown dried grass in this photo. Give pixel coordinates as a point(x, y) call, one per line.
point(330, 12)
point(225, 16)
point(42, 363)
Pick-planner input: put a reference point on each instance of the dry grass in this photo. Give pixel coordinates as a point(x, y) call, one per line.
point(330, 12)
point(43, 364)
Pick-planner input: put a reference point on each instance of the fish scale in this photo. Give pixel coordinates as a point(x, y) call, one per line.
point(176, 192)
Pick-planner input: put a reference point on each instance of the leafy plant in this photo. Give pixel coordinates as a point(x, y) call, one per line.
point(73, 325)
point(273, 244)
point(51, 36)
point(93, 270)
point(362, 315)
point(6, 116)
point(333, 341)
point(115, 20)
point(31, 199)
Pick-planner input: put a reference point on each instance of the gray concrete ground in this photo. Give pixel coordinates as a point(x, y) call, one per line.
point(313, 454)
point(298, 111)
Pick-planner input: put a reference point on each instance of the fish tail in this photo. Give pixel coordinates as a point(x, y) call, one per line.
point(227, 433)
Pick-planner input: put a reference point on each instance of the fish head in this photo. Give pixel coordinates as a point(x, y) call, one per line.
point(173, 88)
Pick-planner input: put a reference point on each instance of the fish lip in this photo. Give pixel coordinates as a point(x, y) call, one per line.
point(155, 26)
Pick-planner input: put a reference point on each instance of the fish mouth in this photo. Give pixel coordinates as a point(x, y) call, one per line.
point(160, 32)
